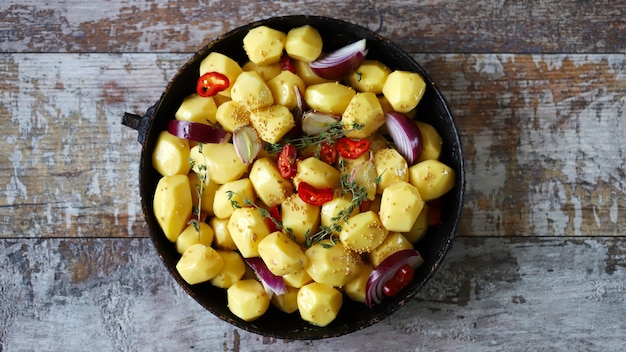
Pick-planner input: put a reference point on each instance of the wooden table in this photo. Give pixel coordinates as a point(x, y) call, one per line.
point(538, 89)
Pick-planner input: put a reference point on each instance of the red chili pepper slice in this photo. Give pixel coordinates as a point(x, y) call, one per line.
point(211, 83)
point(328, 152)
point(403, 276)
point(350, 148)
point(287, 161)
point(286, 64)
point(365, 205)
point(314, 196)
point(274, 214)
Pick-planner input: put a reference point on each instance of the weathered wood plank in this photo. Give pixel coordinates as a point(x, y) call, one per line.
point(541, 135)
point(491, 294)
point(530, 26)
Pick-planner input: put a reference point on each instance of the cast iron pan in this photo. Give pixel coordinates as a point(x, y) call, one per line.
point(432, 109)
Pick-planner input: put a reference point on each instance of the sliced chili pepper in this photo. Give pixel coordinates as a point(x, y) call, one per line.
point(314, 196)
point(350, 148)
point(211, 83)
point(434, 212)
point(287, 161)
point(286, 64)
point(328, 152)
point(365, 205)
point(273, 218)
point(403, 276)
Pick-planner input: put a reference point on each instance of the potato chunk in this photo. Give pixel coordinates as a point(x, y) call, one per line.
point(304, 43)
point(420, 226)
point(247, 299)
point(332, 264)
point(298, 279)
point(283, 88)
point(299, 218)
point(303, 70)
point(242, 191)
point(355, 289)
point(267, 182)
point(272, 122)
point(266, 71)
point(331, 97)
point(316, 173)
point(400, 205)
point(319, 303)
point(247, 228)
point(251, 91)
point(221, 161)
point(281, 254)
point(432, 178)
point(370, 77)
point(195, 108)
point(170, 155)
point(363, 232)
point(221, 236)
point(288, 301)
point(193, 234)
point(431, 142)
point(172, 204)
point(394, 242)
point(218, 62)
point(264, 45)
point(404, 90)
point(391, 167)
point(199, 263)
point(363, 109)
point(232, 115)
point(233, 270)
point(332, 209)
point(207, 192)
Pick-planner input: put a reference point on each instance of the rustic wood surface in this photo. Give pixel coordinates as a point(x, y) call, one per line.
point(538, 90)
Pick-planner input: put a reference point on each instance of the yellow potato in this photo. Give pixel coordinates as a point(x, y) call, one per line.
point(220, 160)
point(287, 302)
point(363, 232)
point(170, 155)
point(332, 263)
point(217, 62)
point(363, 109)
point(264, 45)
point(394, 242)
point(336, 209)
point(331, 97)
point(242, 191)
point(233, 270)
point(355, 289)
point(404, 90)
point(221, 236)
point(199, 232)
point(298, 279)
point(281, 254)
point(400, 205)
point(251, 91)
point(304, 43)
point(271, 188)
point(299, 218)
point(369, 77)
point(431, 142)
point(316, 173)
point(283, 88)
point(247, 228)
point(272, 122)
point(420, 226)
point(231, 115)
point(199, 263)
point(391, 167)
point(172, 204)
point(432, 178)
point(195, 108)
point(266, 71)
point(303, 70)
point(247, 299)
point(318, 303)
point(207, 192)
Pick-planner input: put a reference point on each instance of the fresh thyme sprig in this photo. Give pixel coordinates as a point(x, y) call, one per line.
point(335, 132)
point(264, 212)
point(203, 175)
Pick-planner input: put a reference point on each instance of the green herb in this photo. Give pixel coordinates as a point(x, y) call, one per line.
point(264, 212)
point(203, 175)
point(335, 132)
point(359, 76)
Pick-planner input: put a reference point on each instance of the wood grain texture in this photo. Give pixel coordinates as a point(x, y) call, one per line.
point(540, 134)
point(491, 294)
point(530, 26)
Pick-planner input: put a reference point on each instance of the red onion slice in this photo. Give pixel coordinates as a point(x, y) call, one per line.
point(273, 284)
point(387, 270)
point(247, 143)
point(341, 62)
point(405, 135)
point(314, 123)
point(197, 132)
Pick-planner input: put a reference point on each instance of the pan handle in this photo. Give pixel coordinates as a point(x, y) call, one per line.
point(139, 123)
